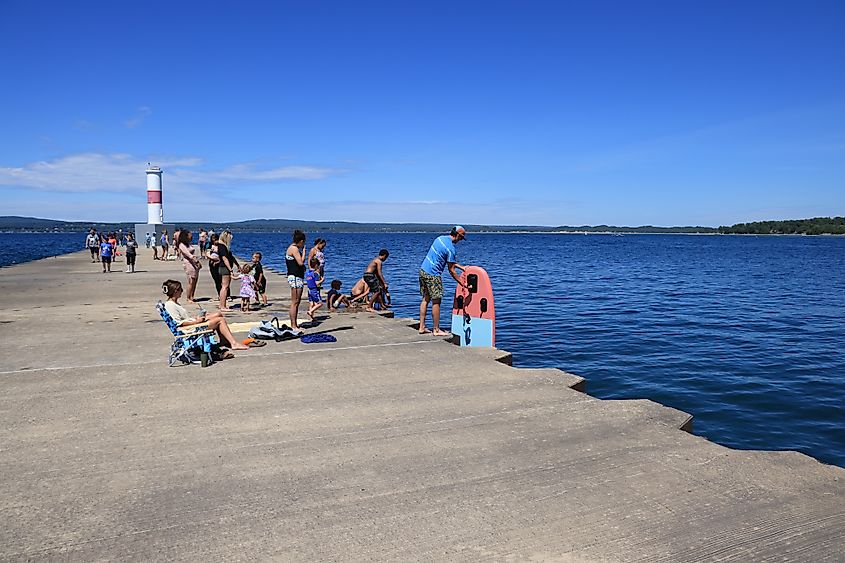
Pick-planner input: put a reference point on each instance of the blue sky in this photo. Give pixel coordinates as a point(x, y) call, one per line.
point(535, 113)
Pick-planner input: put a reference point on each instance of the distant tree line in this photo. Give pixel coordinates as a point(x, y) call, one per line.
point(645, 229)
point(815, 226)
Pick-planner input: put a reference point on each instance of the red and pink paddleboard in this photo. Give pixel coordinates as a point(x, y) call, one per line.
point(473, 311)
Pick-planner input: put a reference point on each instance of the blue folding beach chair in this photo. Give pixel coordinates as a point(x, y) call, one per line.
point(189, 347)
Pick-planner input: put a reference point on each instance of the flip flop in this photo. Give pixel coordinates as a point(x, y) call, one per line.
point(257, 344)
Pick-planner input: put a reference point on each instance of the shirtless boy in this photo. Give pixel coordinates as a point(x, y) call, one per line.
point(374, 278)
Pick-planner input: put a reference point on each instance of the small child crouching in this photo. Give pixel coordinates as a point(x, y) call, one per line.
point(334, 298)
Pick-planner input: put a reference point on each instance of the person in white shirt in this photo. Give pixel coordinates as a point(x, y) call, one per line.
point(214, 321)
point(92, 243)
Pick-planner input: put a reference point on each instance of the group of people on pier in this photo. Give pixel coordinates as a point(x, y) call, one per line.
point(106, 247)
point(303, 270)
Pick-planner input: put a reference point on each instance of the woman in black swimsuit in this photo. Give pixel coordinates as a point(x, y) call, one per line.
point(295, 262)
point(213, 261)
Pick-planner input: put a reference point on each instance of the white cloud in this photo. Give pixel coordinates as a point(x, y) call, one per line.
point(246, 173)
point(88, 172)
point(143, 113)
point(119, 172)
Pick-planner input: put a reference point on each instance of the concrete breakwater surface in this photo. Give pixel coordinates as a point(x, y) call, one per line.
point(745, 333)
point(383, 445)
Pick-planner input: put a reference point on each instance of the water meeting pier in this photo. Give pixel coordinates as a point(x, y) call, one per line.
point(384, 445)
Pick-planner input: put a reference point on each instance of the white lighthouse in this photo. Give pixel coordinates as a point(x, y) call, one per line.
point(149, 233)
point(155, 212)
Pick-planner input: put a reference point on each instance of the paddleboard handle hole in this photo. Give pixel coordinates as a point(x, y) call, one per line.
point(483, 305)
point(472, 283)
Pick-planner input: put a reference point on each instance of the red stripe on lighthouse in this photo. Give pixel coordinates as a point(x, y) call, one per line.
point(154, 196)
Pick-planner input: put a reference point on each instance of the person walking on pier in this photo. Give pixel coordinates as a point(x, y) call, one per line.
point(92, 242)
point(203, 239)
point(106, 252)
point(153, 244)
point(131, 253)
point(113, 242)
point(441, 255)
point(164, 243)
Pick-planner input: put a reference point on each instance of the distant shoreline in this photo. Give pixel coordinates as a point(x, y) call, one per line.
point(792, 227)
point(475, 233)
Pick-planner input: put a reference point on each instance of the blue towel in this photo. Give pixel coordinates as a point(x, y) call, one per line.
point(312, 338)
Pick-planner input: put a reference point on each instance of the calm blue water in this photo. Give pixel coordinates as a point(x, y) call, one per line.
point(18, 248)
point(745, 333)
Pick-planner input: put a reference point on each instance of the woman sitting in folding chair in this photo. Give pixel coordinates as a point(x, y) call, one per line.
point(214, 321)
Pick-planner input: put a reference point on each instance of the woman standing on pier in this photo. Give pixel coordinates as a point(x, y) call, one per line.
point(213, 261)
point(225, 267)
point(164, 244)
point(190, 262)
point(318, 252)
point(295, 262)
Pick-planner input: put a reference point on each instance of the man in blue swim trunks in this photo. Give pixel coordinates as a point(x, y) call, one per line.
point(441, 255)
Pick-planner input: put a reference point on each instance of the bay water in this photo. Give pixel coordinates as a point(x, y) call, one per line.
point(745, 333)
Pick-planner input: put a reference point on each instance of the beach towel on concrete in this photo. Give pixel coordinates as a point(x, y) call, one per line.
point(284, 314)
point(243, 327)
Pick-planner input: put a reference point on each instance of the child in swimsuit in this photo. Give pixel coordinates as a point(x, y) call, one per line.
point(248, 285)
point(313, 280)
point(260, 278)
point(335, 298)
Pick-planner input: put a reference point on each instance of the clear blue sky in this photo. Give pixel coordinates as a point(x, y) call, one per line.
point(548, 113)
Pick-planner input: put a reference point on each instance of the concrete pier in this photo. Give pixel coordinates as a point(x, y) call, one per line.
point(385, 445)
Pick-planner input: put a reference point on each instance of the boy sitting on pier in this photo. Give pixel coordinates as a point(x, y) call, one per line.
point(334, 298)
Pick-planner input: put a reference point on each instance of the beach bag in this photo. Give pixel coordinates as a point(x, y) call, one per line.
point(283, 331)
point(274, 330)
point(179, 354)
point(262, 332)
